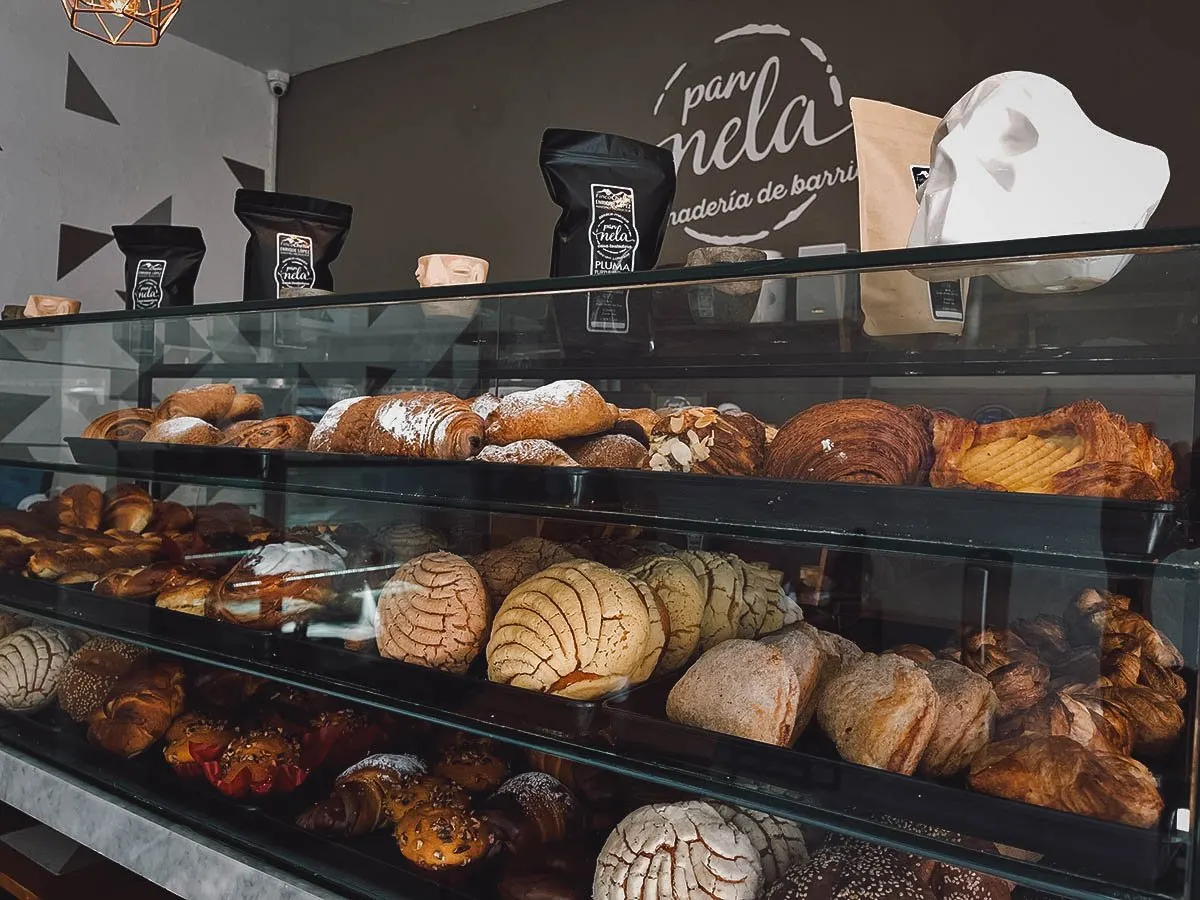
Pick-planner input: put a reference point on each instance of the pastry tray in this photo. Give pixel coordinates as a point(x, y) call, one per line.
point(362, 676)
point(988, 523)
point(1135, 857)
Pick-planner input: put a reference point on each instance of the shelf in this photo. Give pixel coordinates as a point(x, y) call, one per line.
point(803, 794)
point(1073, 532)
point(360, 870)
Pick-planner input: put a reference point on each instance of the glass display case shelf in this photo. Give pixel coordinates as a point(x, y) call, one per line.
point(1080, 857)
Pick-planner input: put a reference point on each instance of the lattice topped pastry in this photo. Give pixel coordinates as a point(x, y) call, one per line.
point(1081, 449)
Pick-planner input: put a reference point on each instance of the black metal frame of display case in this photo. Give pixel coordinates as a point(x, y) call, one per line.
point(945, 523)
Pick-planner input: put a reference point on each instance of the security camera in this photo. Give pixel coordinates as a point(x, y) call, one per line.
point(278, 82)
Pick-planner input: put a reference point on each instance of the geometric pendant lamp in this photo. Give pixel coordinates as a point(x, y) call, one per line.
point(124, 23)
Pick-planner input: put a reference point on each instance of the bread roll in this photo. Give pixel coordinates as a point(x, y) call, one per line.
point(139, 709)
point(245, 407)
point(424, 425)
point(719, 693)
point(1060, 773)
point(562, 409)
point(506, 567)
point(527, 453)
point(190, 597)
point(609, 451)
point(210, 402)
point(804, 654)
point(1093, 613)
point(183, 430)
point(121, 425)
point(779, 842)
point(282, 433)
point(359, 802)
point(578, 629)
point(434, 612)
point(677, 851)
point(880, 711)
point(276, 584)
point(127, 507)
point(32, 660)
point(702, 440)
point(724, 595)
point(1046, 636)
point(676, 586)
point(966, 718)
point(862, 441)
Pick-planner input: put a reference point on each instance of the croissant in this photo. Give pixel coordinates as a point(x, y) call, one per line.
point(140, 708)
point(1157, 719)
point(433, 425)
point(79, 506)
point(1059, 773)
point(1081, 450)
point(127, 507)
point(210, 402)
point(1080, 715)
point(863, 441)
point(121, 425)
point(359, 802)
point(282, 433)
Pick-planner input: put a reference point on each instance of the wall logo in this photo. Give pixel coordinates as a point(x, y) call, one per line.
point(728, 116)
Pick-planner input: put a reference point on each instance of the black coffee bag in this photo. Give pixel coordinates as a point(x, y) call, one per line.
point(616, 195)
point(162, 263)
point(293, 241)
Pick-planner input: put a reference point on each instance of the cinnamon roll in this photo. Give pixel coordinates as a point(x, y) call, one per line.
point(121, 425)
point(282, 433)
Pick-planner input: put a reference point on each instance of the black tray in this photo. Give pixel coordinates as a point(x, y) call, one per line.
point(392, 684)
point(1136, 857)
point(942, 521)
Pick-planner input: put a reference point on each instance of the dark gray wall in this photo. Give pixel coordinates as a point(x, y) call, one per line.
point(436, 143)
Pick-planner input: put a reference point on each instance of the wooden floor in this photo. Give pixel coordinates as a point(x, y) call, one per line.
point(23, 879)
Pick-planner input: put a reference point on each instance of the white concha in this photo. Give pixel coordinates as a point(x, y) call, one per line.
point(1016, 157)
point(779, 842)
point(31, 661)
point(677, 851)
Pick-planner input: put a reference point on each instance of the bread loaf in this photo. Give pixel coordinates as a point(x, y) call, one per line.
point(562, 409)
point(1060, 773)
point(677, 851)
point(433, 425)
point(183, 430)
point(966, 718)
point(718, 693)
point(676, 586)
point(434, 612)
point(862, 441)
point(79, 506)
point(32, 660)
point(210, 402)
point(120, 425)
point(880, 711)
point(804, 654)
point(578, 629)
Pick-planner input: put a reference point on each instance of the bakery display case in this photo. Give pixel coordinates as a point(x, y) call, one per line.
point(923, 604)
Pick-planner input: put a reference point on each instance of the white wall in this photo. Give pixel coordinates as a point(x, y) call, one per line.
point(181, 110)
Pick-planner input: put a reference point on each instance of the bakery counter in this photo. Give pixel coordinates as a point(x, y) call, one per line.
point(188, 862)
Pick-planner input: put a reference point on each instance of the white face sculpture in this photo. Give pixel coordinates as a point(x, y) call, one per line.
point(444, 269)
point(1016, 158)
point(40, 305)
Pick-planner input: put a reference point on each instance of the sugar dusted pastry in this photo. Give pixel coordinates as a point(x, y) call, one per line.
point(562, 409)
point(434, 612)
point(577, 629)
point(183, 430)
point(535, 452)
point(677, 851)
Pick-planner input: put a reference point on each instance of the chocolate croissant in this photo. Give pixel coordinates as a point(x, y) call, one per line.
point(121, 425)
point(359, 802)
point(862, 441)
point(532, 809)
point(1081, 450)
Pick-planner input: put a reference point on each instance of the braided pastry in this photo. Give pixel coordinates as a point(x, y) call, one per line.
point(120, 425)
point(862, 441)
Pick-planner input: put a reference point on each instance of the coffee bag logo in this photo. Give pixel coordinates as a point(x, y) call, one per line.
point(294, 262)
point(148, 283)
point(727, 116)
point(614, 239)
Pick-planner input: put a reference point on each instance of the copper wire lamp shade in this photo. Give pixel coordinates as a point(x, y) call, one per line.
point(125, 23)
